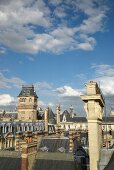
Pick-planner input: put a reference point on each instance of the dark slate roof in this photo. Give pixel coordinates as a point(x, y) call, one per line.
point(51, 117)
point(53, 159)
point(43, 164)
point(75, 118)
point(79, 119)
point(82, 119)
point(27, 91)
point(53, 144)
point(8, 115)
point(67, 115)
point(110, 165)
point(9, 163)
point(109, 119)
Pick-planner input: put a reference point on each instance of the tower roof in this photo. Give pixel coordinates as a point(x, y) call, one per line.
point(28, 91)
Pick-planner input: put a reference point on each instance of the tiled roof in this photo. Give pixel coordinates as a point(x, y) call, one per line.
point(54, 144)
point(109, 119)
point(110, 165)
point(27, 91)
point(45, 164)
point(10, 163)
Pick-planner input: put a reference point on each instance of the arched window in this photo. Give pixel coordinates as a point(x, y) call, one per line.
point(64, 118)
point(30, 100)
point(24, 100)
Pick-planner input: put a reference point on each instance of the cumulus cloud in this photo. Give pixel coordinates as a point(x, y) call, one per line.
point(6, 99)
point(104, 75)
point(8, 82)
point(104, 70)
point(43, 104)
point(2, 50)
point(33, 26)
point(106, 84)
point(68, 91)
point(43, 85)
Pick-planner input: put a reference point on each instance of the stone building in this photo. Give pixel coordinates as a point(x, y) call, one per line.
point(25, 124)
point(27, 104)
point(38, 142)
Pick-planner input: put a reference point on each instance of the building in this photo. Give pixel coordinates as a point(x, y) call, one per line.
point(33, 138)
point(27, 104)
point(25, 124)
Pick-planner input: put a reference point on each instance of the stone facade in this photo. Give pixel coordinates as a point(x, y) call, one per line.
point(24, 128)
point(94, 104)
point(27, 104)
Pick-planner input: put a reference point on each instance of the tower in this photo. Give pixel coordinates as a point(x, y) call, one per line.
point(27, 104)
point(71, 111)
point(94, 103)
point(46, 116)
point(58, 110)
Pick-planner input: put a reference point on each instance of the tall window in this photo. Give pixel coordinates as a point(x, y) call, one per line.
point(30, 100)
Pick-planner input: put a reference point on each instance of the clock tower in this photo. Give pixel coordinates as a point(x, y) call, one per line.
point(27, 104)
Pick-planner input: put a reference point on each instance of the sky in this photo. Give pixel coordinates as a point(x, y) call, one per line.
point(57, 46)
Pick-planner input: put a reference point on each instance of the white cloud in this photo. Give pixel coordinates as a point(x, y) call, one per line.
point(55, 2)
point(41, 103)
point(2, 50)
point(8, 82)
point(33, 26)
point(68, 91)
point(6, 99)
point(104, 75)
point(43, 85)
point(104, 69)
point(50, 104)
point(45, 104)
point(106, 84)
point(59, 12)
point(85, 46)
point(30, 58)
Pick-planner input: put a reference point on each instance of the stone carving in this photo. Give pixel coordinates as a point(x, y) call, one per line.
point(44, 149)
point(61, 149)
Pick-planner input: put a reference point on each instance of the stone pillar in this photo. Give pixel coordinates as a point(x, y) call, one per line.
point(24, 162)
point(17, 145)
point(11, 128)
point(28, 156)
point(58, 114)
point(58, 130)
point(3, 129)
point(94, 103)
point(46, 119)
point(70, 141)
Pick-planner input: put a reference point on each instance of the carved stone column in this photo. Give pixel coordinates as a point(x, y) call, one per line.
point(94, 103)
point(24, 163)
point(58, 109)
point(71, 141)
point(46, 119)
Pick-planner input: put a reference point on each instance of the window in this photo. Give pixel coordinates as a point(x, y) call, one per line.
point(64, 118)
point(30, 100)
point(28, 92)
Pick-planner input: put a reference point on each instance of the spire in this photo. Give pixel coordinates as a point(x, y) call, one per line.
point(58, 109)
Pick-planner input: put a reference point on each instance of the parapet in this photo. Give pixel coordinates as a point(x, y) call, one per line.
point(92, 88)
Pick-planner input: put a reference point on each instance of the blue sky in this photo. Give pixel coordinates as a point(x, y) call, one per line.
point(58, 46)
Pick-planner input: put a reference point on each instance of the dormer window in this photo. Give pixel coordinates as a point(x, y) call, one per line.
point(30, 100)
point(64, 119)
point(23, 92)
point(28, 92)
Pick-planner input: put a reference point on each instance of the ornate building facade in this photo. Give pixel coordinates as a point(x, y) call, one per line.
point(27, 104)
point(23, 126)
